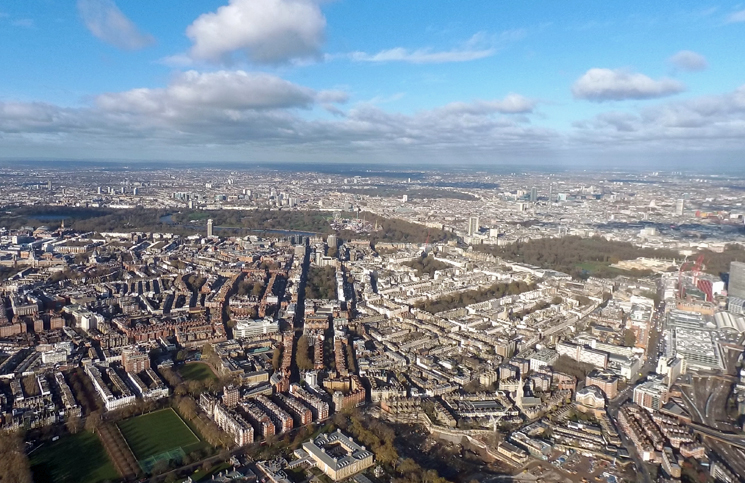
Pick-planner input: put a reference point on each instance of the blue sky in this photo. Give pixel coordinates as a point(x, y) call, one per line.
point(413, 81)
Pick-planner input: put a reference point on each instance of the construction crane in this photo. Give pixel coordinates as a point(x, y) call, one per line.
point(426, 245)
point(697, 269)
point(680, 278)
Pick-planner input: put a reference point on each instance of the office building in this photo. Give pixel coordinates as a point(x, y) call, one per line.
point(246, 328)
point(533, 195)
point(473, 225)
point(209, 227)
point(736, 286)
point(332, 241)
point(679, 205)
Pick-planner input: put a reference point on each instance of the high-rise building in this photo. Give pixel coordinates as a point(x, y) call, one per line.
point(533, 194)
point(736, 287)
point(209, 227)
point(331, 241)
point(405, 198)
point(679, 205)
point(473, 225)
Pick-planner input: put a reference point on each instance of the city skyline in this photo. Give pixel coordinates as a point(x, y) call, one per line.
point(302, 81)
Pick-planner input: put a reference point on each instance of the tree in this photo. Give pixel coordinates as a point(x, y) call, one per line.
point(302, 359)
point(160, 467)
point(93, 421)
point(30, 388)
point(629, 338)
point(277, 358)
point(74, 424)
point(14, 464)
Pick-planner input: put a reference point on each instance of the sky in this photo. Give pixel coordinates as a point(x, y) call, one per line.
point(632, 83)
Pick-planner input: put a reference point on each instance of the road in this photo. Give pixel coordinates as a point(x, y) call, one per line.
point(650, 365)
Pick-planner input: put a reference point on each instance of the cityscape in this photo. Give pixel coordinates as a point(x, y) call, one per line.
point(285, 325)
point(316, 241)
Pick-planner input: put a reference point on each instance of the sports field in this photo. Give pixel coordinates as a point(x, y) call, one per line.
point(79, 458)
point(196, 371)
point(157, 432)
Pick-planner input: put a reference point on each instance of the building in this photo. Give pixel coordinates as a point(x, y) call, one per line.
point(229, 421)
point(533, 194)
point(512, 452)
point(332, 241)
point(247, 328)
point(230, 396)
point(209, 227)
point(543, 358)
point(606, 381)
point(679, 205)
point(651, 395)
point(337, 455)
point(591, 397)
point(582, 353)
point(135, 359)
point(670, 463)
point(736, 287)
point(473, 225)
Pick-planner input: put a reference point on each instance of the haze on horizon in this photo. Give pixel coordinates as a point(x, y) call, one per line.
point(554, 83)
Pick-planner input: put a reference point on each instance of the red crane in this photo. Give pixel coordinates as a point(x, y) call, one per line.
point(697, 268)
point(680, 279)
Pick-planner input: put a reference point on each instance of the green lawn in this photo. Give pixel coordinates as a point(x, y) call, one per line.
point(157, 432)
point(196, 371)
point(79, 458)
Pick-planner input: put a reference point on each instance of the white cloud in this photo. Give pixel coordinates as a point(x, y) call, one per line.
point(479, 46)
point(266, 31)
point(736, 17)
point(601, 85)
point(421, 56)
point(511, 104)
point(191, 92)
point(689, 61)
point(106, 22)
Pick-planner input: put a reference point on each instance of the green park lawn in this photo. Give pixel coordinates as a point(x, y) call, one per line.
point(196, 371)
point(157, 432)
point(78, 458)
